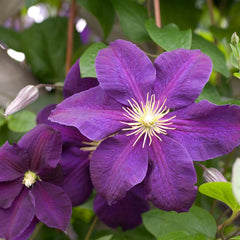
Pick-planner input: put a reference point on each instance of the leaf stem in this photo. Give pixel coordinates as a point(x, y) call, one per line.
point(70, 32)
point(157, 13)
point(227, 222)
point(90, 230)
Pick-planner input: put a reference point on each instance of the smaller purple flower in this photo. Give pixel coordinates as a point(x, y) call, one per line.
point(30, 180)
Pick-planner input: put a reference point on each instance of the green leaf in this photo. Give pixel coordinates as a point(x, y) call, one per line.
point(218, 58)
point(210, 93)
point(196, 221)
point(169, 37)
point(87, 60)
point(44, 45)
point(235, 50)
point(235, 238)
point(135, 234)
point(221, 191)
point(236, 74)
point(234, 61)
point(82, 213)
point(22, 121)
point(103, 11)
point(108, 237)
point(2, 120)
point(180, 235)
point(184, 13)
point(11, 38)
point(29, 3)
point(132, 16)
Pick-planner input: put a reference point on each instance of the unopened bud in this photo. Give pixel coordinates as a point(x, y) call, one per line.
point(235, 39)
point(213, 175)
point(236, 179)
point(26, 96)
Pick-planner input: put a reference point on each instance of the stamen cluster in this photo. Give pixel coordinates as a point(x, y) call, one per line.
point(30, 178)
point(147, 119)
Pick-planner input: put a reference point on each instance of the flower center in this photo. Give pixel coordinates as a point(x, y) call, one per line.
point(147, 119)
point(30, 178)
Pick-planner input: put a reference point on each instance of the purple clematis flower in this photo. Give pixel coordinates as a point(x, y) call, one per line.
point(152, 129)
point(31, 179)
point(75, 162)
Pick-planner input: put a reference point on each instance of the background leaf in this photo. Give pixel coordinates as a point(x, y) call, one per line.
point(22, 121)
point(108, 237)
point(169, 37)
point(135, 234)
point(46, 54)
point(221, 191)
point(218, 58)
point(87, 60)
point(184, 13)
point(196, 221)
point(103, 11)
point(210, 93)
point(182, 235)
point(132, 18)
point(11, 38)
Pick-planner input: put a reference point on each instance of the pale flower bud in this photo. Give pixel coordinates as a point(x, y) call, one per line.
point(26, 96)
point(236, 179)
point(234, 39)
point(213, 175)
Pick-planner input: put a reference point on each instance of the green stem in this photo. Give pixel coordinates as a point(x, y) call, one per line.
point(234, 234)
point(90, 230)
point(228, 221)
point(151, 55)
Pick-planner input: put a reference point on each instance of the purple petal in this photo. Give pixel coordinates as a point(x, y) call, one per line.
point(126, 213)
point(52, 205)
point(206, 130)
point(116, 166)
point(14, 162)
point(44, 113)
point(92, 112)
point(9, 191)
point(52, 175)
point(26, 234)
point(69, 134)
point(181, 76)
point(43, 145)
point(16, 219)
point(75, 84)
point(125, 72)
point(77, 182)
point(171, 177)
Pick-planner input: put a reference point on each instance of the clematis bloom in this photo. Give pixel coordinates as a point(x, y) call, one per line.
point(75, 161)
point(31, 179)
point(152, 130)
